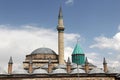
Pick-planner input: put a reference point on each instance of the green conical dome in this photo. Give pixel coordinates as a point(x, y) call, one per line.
point(78, 56)
point(78, 49)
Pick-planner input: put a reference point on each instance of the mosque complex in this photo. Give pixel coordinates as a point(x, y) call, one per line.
point(45, 64)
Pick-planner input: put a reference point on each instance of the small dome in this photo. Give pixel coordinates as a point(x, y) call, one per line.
point(74, 71)
point(40, 71)
point(2, 71)
point(62, 66)
point(59, 71)
point(96, 70)
point(112, 70)
point(43, 51)
point(75, 66)
point(20, 71)
point(45, 66)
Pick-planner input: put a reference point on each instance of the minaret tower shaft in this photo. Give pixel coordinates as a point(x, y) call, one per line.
point(60, 28)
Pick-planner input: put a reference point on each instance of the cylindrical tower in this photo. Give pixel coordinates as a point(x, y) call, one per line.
point(60, 29)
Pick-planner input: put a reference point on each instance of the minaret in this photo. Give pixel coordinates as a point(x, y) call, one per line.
point(86, 65)
point(105, 65)
point(68, 65)
point(10, 66)
point(60, 29)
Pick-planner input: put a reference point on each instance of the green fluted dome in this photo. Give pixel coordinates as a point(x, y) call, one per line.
point(78, 55)
point(78, 50)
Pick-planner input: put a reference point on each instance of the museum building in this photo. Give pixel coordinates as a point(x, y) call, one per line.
point(45, 64)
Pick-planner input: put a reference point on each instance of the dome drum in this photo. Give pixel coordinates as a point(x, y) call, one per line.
point(40, 57)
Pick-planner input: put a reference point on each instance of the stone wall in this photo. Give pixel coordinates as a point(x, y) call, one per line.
point(63, 78)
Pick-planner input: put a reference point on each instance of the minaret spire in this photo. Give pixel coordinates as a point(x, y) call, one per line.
point(60, 28)
point(105, 65)
point(60, 18)
point(86, 65)
point(10, 63)
point(60, 13)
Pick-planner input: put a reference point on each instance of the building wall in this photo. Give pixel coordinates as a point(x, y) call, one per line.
point(40, 60)
point(41, 56)
point(63, 78)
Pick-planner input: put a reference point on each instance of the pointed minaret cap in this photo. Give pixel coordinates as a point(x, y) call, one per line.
point(49, 61)
point(86, 61)
point(10, 61)
point(60, 13)
point(68, 61)
point(30, 60)
point(104, 61)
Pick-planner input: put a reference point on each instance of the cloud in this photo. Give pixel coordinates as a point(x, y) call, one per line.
point(69, 2)
point(107, 43)
point(94, 58)
point(18, 42)
point(110, 48)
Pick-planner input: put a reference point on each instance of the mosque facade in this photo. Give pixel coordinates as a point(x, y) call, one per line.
point(44, 64)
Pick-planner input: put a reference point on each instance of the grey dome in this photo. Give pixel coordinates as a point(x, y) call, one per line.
point(74, 66)
point(59, 71)
point(2, 71)
point(40, 71)
point(45, 66)
point(96, 70)
point(74, 71)
point(43, 51)
point(112, 70)
point(62, 66)
point(20, 71)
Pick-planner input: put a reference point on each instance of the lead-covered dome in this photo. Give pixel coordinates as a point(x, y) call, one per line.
point(43, 51)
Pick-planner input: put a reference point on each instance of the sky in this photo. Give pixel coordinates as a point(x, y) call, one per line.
point(26, 25)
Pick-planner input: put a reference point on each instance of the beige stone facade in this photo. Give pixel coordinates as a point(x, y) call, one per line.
point(57, 77)
point(57, 68)
point(40, 59)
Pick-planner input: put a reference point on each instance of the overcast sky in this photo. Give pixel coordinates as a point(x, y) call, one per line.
point(26, 25)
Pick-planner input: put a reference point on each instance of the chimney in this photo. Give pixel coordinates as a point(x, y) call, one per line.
point(105, 65)
point(10, 66)
point(68, 65)
point(86, 66)
point(49, 66)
